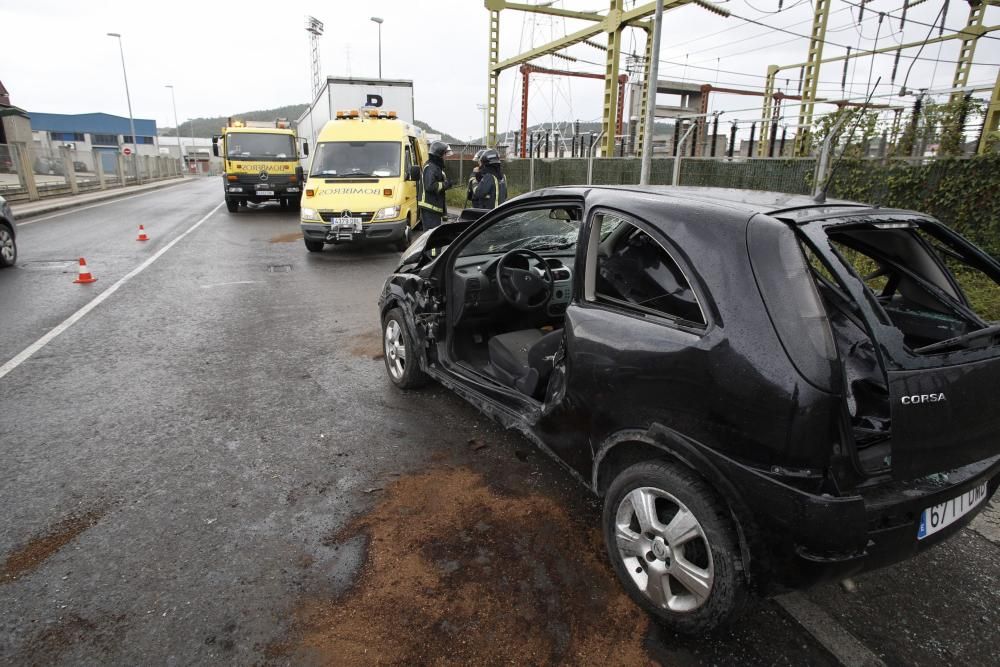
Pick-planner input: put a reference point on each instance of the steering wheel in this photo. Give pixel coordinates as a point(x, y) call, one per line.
point(521, 287)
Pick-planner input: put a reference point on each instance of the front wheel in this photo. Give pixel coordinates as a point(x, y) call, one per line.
point(404, 243)
point(314, 246)
point(283, 203)
point(8, 248)
point(673, 546)
point(400, 352)
point(232, 205)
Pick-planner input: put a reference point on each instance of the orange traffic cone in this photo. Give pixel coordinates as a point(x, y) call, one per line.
point(84, 276)
point(142, 234)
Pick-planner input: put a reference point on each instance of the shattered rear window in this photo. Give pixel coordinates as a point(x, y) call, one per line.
point(935, 288)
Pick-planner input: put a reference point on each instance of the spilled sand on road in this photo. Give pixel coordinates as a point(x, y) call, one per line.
point(29, 556)
point(289, 237)
point(459, 573)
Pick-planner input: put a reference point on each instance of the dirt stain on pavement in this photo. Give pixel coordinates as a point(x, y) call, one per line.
point(29, 556)
point(71, 630)
point(367, 346)
point(290, 237)
point(459, 573)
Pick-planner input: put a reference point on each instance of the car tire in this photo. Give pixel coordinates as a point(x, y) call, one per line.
point(404, 243)
point(314, 246)
point(8, 246)
point(283, 203)
point(699, 568)
point(232, 205)
point(399, 352)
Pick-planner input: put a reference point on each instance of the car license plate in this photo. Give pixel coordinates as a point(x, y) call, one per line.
point(353, 224)
point(941, 516)
point(269, 193)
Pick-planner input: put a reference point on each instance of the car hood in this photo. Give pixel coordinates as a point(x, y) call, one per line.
point(426, 249)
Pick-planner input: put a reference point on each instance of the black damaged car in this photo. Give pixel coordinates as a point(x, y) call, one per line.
point(766, 391)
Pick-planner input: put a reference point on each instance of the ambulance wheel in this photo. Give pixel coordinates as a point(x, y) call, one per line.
point(232, 205)
point(314, 246)
point(283, 203)
point(404, 243)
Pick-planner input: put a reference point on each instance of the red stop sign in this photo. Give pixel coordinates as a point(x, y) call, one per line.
point(126, 151)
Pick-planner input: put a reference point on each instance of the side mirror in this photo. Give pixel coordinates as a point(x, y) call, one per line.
point(413, 174)
point(305, 148)
point(300, 174)
point(215, 146)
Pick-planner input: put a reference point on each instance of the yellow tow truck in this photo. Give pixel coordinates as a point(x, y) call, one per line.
point(261, 163)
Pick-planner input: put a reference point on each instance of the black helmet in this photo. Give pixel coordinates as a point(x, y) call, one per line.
point(479, 154)
point(489, 157)
point(440, 149)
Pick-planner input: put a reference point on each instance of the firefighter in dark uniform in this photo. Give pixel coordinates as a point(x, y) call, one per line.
point(470, 190)
point(435, 182)
point(492, 188)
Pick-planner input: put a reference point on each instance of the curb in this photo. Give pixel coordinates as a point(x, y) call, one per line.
point(113, 194)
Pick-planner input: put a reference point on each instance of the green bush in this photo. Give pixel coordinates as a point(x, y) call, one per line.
point(962, 193)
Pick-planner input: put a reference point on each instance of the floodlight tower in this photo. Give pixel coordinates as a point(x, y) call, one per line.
point(315, 28)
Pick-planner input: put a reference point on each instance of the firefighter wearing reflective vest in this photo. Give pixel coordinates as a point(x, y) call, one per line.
point(470, 188)
point(491, 191)
point(435, 182)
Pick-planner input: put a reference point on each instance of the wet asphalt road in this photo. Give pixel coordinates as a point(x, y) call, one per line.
point(182, 468)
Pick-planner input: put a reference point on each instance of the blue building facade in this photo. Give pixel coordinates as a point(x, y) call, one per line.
point(91, 134)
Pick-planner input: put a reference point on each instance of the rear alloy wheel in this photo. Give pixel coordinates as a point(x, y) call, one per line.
point(314, 246)
point(673, 547)
point(8, 249)
point(400, 361)
point(232, 205)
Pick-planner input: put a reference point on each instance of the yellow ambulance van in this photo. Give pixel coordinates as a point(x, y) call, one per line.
point(363, 181)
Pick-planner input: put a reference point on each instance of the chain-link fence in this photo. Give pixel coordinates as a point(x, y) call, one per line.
point(33, 172)
point(775, 174)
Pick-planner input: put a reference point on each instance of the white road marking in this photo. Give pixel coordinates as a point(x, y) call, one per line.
point(114, 200)
point(238, 282)
point(27, 352)
point(844, 646)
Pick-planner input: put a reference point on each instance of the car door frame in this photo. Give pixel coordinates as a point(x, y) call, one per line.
point(506, 404)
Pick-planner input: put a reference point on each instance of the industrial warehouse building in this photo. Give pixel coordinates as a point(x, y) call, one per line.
point(90, 134)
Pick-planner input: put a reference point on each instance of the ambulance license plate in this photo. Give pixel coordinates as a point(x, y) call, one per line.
point(941, 516)
point(265, 193)
point(353, 224)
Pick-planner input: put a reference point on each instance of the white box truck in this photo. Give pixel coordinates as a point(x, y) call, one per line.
point(345, 94)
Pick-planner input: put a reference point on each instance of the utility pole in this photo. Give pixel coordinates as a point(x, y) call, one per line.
point(177, 126)
point(131, 120)
point(654, 72)
point(378, 20)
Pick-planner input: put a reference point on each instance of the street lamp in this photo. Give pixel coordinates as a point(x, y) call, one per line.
point(177, 128)
point(378, 20)
point(131, 120)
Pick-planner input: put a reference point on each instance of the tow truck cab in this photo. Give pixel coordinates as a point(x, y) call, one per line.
point(363, 181)
point(261, 161)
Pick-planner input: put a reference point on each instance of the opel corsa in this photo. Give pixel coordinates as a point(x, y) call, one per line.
point(767, 392)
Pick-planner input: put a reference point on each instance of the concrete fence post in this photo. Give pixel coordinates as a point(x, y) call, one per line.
point(120, 161)
point(531, 174)
point(99, 170)
point(67, 160)
point(26, 170)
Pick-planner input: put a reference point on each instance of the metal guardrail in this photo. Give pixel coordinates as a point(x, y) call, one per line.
point(30, 172)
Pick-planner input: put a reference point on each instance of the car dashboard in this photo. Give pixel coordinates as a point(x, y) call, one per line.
point(476, 291)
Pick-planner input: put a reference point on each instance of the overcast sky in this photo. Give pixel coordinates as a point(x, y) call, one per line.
point(224, 58)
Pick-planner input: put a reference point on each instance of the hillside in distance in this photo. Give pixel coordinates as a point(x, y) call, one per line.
point(206, 127)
